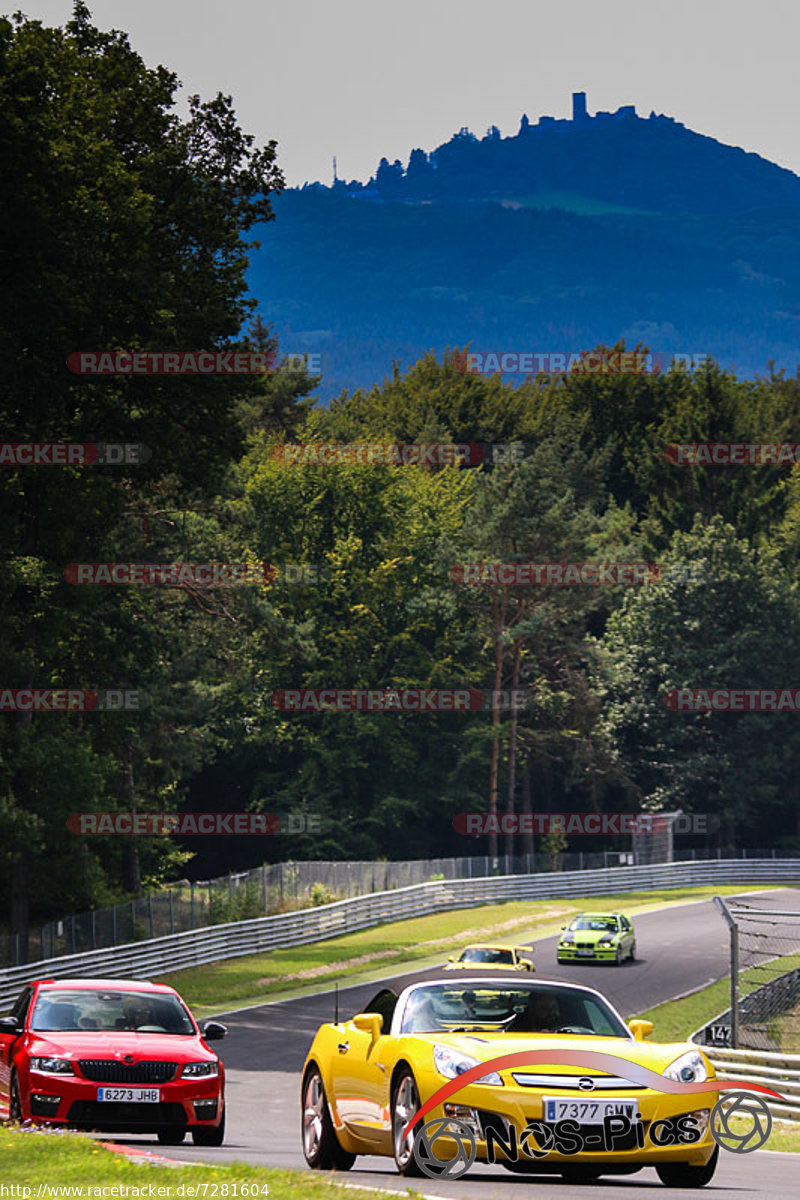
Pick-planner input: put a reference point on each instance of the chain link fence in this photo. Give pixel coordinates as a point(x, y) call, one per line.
point(765, 981)
point(283, 887)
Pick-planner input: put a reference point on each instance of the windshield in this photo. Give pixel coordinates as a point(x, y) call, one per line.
point(110, 1012)
point(485, 954)
point(512, 1008)
point(595, 924)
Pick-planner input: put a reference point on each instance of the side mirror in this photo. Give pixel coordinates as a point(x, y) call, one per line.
point(371, 1023)
point(563, 927)
point(10, 1025)
point(214, 1031)
point(452, 958)
point(641, 1029)
point(528, 964)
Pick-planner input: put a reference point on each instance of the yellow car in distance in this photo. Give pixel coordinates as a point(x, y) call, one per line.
point(496, 956)
point(598, 1110)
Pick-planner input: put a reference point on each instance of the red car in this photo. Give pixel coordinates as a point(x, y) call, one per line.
point(115, 1055)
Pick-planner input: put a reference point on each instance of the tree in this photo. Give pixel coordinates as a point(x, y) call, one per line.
point(548, 509)
point(120, 227)
point(731, 620)
point(379, 611)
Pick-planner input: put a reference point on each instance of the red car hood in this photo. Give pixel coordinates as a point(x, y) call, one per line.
point(84, 1043)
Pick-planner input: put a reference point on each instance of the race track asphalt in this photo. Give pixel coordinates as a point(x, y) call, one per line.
point(678, 950)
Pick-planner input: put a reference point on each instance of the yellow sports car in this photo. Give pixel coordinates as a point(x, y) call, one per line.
point(494, 957)
point(583, 1097)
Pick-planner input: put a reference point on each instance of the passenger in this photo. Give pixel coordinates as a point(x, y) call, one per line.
point(420, 1015)
point(58, 1016)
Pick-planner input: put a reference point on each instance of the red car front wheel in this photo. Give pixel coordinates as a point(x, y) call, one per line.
point(15, 1100)
point(210, 1135)
point(171, 1137)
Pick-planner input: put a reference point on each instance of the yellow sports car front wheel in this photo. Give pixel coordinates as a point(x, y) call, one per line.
point(320, 1144)
point(405, 1104)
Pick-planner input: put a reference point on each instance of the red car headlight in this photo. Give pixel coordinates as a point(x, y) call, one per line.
point(198, 1070)
point(52, 1066)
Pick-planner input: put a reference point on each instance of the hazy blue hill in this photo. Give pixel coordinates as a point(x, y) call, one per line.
point(662, 236)
point(653, 164)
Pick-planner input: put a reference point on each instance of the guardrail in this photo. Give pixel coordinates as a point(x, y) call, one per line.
point(283, 887)
point(274, 888)
point(157, 956)
point(781, 1072)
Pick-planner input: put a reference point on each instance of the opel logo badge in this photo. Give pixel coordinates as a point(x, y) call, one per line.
point(586, 1084)
point(128, 1058)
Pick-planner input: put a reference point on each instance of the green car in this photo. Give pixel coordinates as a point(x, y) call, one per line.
point(597, 937)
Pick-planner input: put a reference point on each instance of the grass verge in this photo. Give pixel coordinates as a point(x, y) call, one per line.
point(786, 1030)
point(252, 979)
point(58, 1162)
point(785, 1135)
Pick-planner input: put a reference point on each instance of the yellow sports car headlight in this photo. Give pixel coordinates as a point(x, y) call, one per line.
point(689, 1068)
point(452, 1063)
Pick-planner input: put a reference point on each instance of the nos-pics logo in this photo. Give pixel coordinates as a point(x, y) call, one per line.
point(751, 1114)
point(429, 1161)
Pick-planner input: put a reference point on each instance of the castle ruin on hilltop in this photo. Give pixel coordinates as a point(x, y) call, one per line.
point(580, 116)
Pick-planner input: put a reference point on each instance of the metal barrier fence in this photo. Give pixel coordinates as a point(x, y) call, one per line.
point(279, 887)
point(270, 888)
point(781, 1072)
point(157, 956)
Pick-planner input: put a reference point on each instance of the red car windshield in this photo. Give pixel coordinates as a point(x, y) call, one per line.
point(84, 1009)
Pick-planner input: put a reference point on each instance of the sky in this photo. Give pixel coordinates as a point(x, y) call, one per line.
point(363, 79)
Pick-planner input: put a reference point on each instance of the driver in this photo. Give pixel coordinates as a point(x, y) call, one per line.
point(542, 1014)
point(137, 1012)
